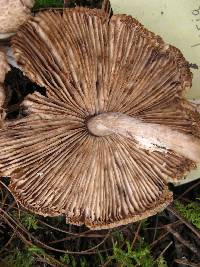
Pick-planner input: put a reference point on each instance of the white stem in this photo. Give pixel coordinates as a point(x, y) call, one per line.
point(7, 35)
point(150, 136)
point(9, 55)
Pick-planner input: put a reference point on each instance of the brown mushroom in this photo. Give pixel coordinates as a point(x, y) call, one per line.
point(13, 14)
point(92, 149)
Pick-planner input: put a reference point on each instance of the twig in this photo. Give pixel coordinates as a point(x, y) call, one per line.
point(183, 241)
point(63, 231)
point(166, 248)
point(9, 241)
point(188, 190)
point(186, 262)
point(136, 234)
point(189, 225)
point(74, 237)
point(164, 226)
point(155, 230)
point(160, 238)
point(92, 250)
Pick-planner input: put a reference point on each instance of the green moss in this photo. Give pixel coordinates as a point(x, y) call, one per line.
point(161, 262)
point(191, 212)
point(141, 256)
point(24, 258)
point(29, 221)
point(48, 3)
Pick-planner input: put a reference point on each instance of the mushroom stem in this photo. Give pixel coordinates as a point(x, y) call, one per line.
point(150, 136)
point(4, 68)
point(9, 55)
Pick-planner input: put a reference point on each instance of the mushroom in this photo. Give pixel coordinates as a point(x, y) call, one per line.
point(4, 68)
point(13, 14)
point(114, 127)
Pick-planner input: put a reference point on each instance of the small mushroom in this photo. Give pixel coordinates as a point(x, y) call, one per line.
point(114, 127)
point(13, 14)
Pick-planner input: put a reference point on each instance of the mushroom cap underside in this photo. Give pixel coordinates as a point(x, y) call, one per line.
point(92, 64)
